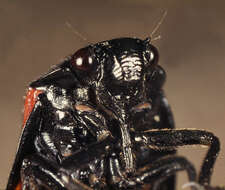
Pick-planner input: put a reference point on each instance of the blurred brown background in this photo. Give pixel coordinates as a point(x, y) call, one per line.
point(33, 36)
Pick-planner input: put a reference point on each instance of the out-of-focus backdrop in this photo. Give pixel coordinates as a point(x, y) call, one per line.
point(34, 36)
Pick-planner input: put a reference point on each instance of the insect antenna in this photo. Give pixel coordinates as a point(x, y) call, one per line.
point(156, 38)
point(159, 23)
point(75, 31)
point(157, 27)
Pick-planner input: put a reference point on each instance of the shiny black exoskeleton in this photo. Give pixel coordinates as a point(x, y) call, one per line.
point(101, 121)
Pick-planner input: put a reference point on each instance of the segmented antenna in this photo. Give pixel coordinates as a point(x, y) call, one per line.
point(159, 23)
point(156, 38)
point(75, 31)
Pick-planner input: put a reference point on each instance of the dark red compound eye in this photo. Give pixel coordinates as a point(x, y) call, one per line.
point(83, 59)
point(151, 55)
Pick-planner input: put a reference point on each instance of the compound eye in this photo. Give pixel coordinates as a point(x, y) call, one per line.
point(83, 59)
point(151, 55)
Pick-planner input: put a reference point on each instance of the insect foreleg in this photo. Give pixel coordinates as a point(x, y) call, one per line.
point(172, 138)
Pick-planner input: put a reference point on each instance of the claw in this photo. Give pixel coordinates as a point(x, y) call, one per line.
point(193, 184)
point(197, 186)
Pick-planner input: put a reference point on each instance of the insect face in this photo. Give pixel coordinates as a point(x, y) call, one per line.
point(121, 72)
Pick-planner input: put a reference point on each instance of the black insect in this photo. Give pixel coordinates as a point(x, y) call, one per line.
point(100, 120)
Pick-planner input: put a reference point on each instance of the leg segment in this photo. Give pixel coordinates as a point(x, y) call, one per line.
point(200, 187)
point(86, 164)
point(172, 138)
point(37, 173)
point(162, 169)
point(154, 173)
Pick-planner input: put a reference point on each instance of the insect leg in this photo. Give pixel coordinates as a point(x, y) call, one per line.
point(154, 173)
point(118, 179)
point(172, 138)
point(87, 164)
point(37, 173)
point(160, 170)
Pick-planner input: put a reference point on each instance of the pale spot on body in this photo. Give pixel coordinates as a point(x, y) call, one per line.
point(157, 118)
point(90, 60)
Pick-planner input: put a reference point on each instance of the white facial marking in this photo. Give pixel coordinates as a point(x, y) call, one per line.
point(131, 60)
point(131, 67)
point(79, 61)
point(117, 70)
